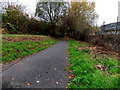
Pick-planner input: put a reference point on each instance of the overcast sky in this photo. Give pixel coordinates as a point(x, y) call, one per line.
point(106, 9)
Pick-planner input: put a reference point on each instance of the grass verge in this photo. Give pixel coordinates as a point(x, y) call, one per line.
point(87, 70)
point(19, 49)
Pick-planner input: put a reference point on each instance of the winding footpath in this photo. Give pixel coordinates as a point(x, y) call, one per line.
point(45, 69)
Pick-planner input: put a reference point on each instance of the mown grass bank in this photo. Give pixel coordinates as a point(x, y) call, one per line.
point(92, 72)
point(18, 46)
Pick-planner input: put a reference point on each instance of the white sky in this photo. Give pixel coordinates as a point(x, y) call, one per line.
point(106, 9)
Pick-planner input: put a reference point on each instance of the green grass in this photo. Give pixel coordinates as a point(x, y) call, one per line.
point(86, 74)
point(14, 50)
point(18, 35)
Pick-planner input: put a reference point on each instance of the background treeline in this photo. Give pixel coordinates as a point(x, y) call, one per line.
point(59, 19)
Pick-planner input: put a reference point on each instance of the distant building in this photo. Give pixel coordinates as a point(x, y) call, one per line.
point(119, 11)
point(112, 28)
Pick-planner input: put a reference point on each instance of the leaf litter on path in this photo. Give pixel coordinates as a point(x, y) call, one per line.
point(25, 84)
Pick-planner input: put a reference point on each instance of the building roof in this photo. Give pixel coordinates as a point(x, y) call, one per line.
point(111, 26)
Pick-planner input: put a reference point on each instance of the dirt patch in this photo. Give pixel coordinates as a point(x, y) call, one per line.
point(22, 38)
point(100, 51)
point(108, 41)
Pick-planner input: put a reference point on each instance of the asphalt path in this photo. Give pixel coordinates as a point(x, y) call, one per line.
point(45, 69)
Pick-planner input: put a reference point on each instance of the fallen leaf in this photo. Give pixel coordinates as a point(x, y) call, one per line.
point(47, 79)
point(13, 78)
point(101, 67)
point(54, 68)
point(70, 71)
point(57, 83)
point(69, 77)
point(25, 83)
point(37, 81)
point(22, 83)
point(28, 84)
point(73, 76)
